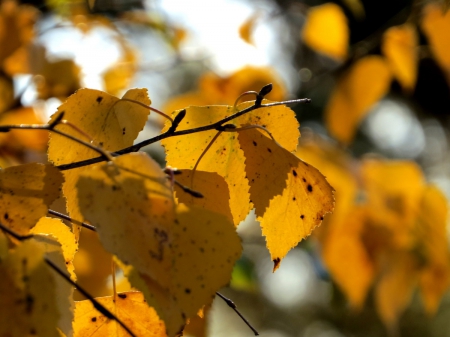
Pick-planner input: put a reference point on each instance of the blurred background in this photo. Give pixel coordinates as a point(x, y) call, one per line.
point(378, 74)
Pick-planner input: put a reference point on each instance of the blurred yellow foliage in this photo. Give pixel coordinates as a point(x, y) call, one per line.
point(366, 82)
point(326, 31)
point(388, 233)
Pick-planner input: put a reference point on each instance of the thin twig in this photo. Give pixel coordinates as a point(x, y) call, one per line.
point(231, 304)
point(167, 134)
point(68, 218)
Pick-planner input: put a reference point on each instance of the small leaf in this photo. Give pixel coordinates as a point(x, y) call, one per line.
point(130, 307)
point(326, 31)
point(246, 29)
point(355, 93)
point(26, 192)
point(400, 46)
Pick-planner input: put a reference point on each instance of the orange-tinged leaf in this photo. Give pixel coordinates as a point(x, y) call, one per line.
point(205, 247)
point(246, 29)
point(400, 46)
point(291, 197)
point(346, 257)
point(394, 190)
point(213, 187)
point(130, 307)
point(131, 205)
point(225, 156)
point(435, 276)
point(57, 229)
point(26, 192)
point(27, 307)
point(113, 124)
point(394, 290)
point(436, 26)
point(30, 139)
point(326, 31)
point(356, 92)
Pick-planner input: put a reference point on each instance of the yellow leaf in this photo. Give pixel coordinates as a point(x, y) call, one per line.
point(400, 46)
point(26, 192)
point(346, 256)
point(326, 31)
point(355, 93)
point(205, 247)
point(225, 156)
point(290, 197)
point(246, 29)
point(113, 124)
point(393, 292)
point(19, 139)
point(27, 293)
point(57, 229)
point(432, 222)
point(130, 307)
point(436, 26)
point(213, 188)
point(394, 190)
point(131, 205)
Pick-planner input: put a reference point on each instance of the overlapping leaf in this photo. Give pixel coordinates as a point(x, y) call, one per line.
point(130, 307)
point(26, 192)
point(26, 306)
point(225, 156)
point(181, 257)
point(113, 124)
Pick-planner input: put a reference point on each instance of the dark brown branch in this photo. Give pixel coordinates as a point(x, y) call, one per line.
point(167, 134)
point(231, 304)
point(68, 218)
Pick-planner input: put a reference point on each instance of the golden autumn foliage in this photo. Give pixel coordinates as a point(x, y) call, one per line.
point(147, 243)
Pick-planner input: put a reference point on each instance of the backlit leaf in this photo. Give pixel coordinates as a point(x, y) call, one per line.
point(57, 229)
point(326, 31)
point(130, 307)
point(205, 247)
point(27, 307)
point(225, 156)
point(246, 29)
point(113, 125)
point(26, 192)
point(291, 197)
point(366, 82)
point(400, 46)
point(436, 26)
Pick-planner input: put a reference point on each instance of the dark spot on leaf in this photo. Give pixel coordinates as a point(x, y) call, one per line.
point(94, 319)
point(6, 216)
point(29, 303)
point(304, 180)
point(33, 332)
point(254, 143)
point(276, 263)
point(302, 216)
point(187, 291)
point(122, 295)
point(123, 131)
point(321, 218)
point(269, 150)
point(309, 188)
point(294, 198)
point(99, 99)
point(294, 173)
